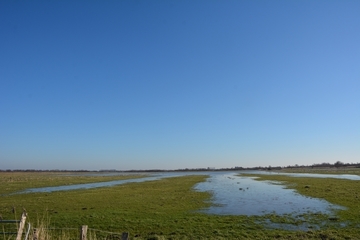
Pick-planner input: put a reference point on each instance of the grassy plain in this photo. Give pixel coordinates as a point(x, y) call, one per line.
point(17, 181)
point(164, 209)
point(323, 170)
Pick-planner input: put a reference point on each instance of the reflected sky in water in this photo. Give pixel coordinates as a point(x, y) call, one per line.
point(236, 195)
point(233, 194)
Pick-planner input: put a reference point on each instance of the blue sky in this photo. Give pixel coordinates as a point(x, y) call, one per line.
point(178, 84)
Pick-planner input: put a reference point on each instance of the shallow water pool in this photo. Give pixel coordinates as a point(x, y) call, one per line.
point(231, 194)
point(236, 195)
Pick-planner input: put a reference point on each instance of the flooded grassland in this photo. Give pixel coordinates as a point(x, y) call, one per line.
point(335, 190)
point(184, 207)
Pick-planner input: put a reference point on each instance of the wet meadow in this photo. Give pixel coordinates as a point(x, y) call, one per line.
point(169, 208)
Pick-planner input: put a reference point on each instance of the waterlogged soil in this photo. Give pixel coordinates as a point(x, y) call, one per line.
point(12, 182)
point(338, 191)
point(88, 180)
point(343, 192)
point(231, 194)
point(89, 185)
point(237, 195)
point(317, 174)
point(168, 208)
point(323, 170)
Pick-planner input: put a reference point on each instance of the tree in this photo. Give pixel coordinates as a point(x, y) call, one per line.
point(338, 164)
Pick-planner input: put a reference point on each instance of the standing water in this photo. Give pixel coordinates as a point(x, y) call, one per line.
point(232, 194)
point(236, 195)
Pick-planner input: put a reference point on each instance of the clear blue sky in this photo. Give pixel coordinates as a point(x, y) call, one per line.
point(178, 84)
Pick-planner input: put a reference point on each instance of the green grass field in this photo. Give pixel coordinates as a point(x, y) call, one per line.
point(327, 170)
point(164, 209)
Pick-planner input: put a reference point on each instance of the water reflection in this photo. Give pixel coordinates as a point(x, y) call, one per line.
point(154, 177)
point(236, 195)
point(89, 185)
point(232, 194)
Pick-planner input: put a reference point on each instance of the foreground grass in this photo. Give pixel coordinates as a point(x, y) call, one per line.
point(164, 209)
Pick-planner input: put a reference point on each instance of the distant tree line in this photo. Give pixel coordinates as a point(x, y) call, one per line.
point(337, 164)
